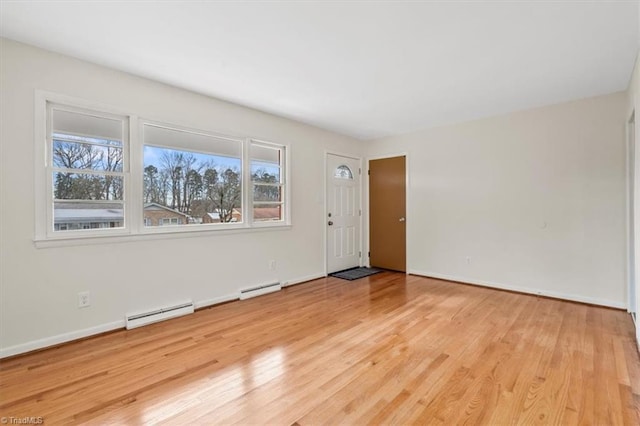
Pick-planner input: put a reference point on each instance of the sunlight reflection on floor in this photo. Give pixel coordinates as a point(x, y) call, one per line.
point(219, 389)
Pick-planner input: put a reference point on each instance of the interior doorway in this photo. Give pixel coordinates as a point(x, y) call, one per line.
point(343, 215)
point(387, 213)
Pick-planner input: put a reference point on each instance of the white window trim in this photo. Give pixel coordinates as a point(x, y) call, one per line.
point(285, 183)
point(134, 229)
point(50, 168)
point(43, 167)
point(201, 227)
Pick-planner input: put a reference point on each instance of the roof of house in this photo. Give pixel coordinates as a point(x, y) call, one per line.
point(156, 206)
point(88, 215)
point(72, 211)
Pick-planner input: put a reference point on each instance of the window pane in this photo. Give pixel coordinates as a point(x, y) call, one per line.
point(267, 193)
point(265, 163)
point(267, 175)
point(70, 216)
point(267, 212)
point(266, 154)
point(188, 187)
point(192, 141)
point(85, 124)
point(103, 155)
point(94, 144)
point(265, 172)
point(75, 186)
point(343, 172)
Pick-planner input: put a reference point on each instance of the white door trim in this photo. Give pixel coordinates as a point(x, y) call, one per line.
point(325, 207)
point(632, 167)
point(633, 109)
point(365, 215)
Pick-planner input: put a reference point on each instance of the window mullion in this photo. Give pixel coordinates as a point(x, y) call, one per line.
point(247, 184)
point(134, 164)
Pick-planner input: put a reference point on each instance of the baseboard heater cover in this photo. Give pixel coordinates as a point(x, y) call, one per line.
point(260, 290)
point(156, 315)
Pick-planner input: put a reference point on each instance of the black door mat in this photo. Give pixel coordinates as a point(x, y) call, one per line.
point(355, 273)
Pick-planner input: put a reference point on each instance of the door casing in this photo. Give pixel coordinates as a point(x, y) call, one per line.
point(632, 170)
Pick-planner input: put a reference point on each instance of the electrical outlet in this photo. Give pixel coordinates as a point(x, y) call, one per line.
point(84, 299)
point(272, 265)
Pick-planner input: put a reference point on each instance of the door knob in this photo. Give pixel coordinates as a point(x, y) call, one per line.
point(330, 223)
point(402, 219)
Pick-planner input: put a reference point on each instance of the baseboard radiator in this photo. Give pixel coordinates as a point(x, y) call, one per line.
point(260, 290)
point(160, 314)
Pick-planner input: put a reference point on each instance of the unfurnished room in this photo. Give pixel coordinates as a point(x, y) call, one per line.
point(319, 212)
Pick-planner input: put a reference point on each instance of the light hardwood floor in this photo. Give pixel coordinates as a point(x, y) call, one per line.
point(388, 349)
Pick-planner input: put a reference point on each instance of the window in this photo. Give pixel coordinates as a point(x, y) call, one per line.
point(343, 172)
point(267, 178)
point(196, 177)
point(170, 221)
point(86, 158)
point(96, 182)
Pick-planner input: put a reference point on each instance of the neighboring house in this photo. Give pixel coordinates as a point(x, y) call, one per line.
point(159, 215)
point(72, 215)
point(266, 213)
point(214, 217)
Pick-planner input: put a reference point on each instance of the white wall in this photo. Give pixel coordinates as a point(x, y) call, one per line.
point(535, 199)
point(38, 303)
point(483, 190)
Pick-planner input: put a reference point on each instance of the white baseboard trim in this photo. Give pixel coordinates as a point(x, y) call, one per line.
point(301, 280)
point(534, 291)
point(60, 338)
point(91, 331)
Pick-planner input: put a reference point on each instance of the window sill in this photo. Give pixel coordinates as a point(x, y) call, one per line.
point(166, 233)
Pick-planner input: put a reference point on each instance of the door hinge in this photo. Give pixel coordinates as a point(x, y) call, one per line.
point(359, 254)
point(369, 254)
point(359, 171)
point(369, 172)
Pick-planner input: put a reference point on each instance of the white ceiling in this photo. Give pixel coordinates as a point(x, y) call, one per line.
point(365, 69)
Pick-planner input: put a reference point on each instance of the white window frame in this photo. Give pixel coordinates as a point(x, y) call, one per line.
point(284, 178)
point(133, 168)
point(52, 168)
point(45, 103)
point(195, 227)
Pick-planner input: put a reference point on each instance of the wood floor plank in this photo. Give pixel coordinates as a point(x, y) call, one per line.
point(387, 349)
